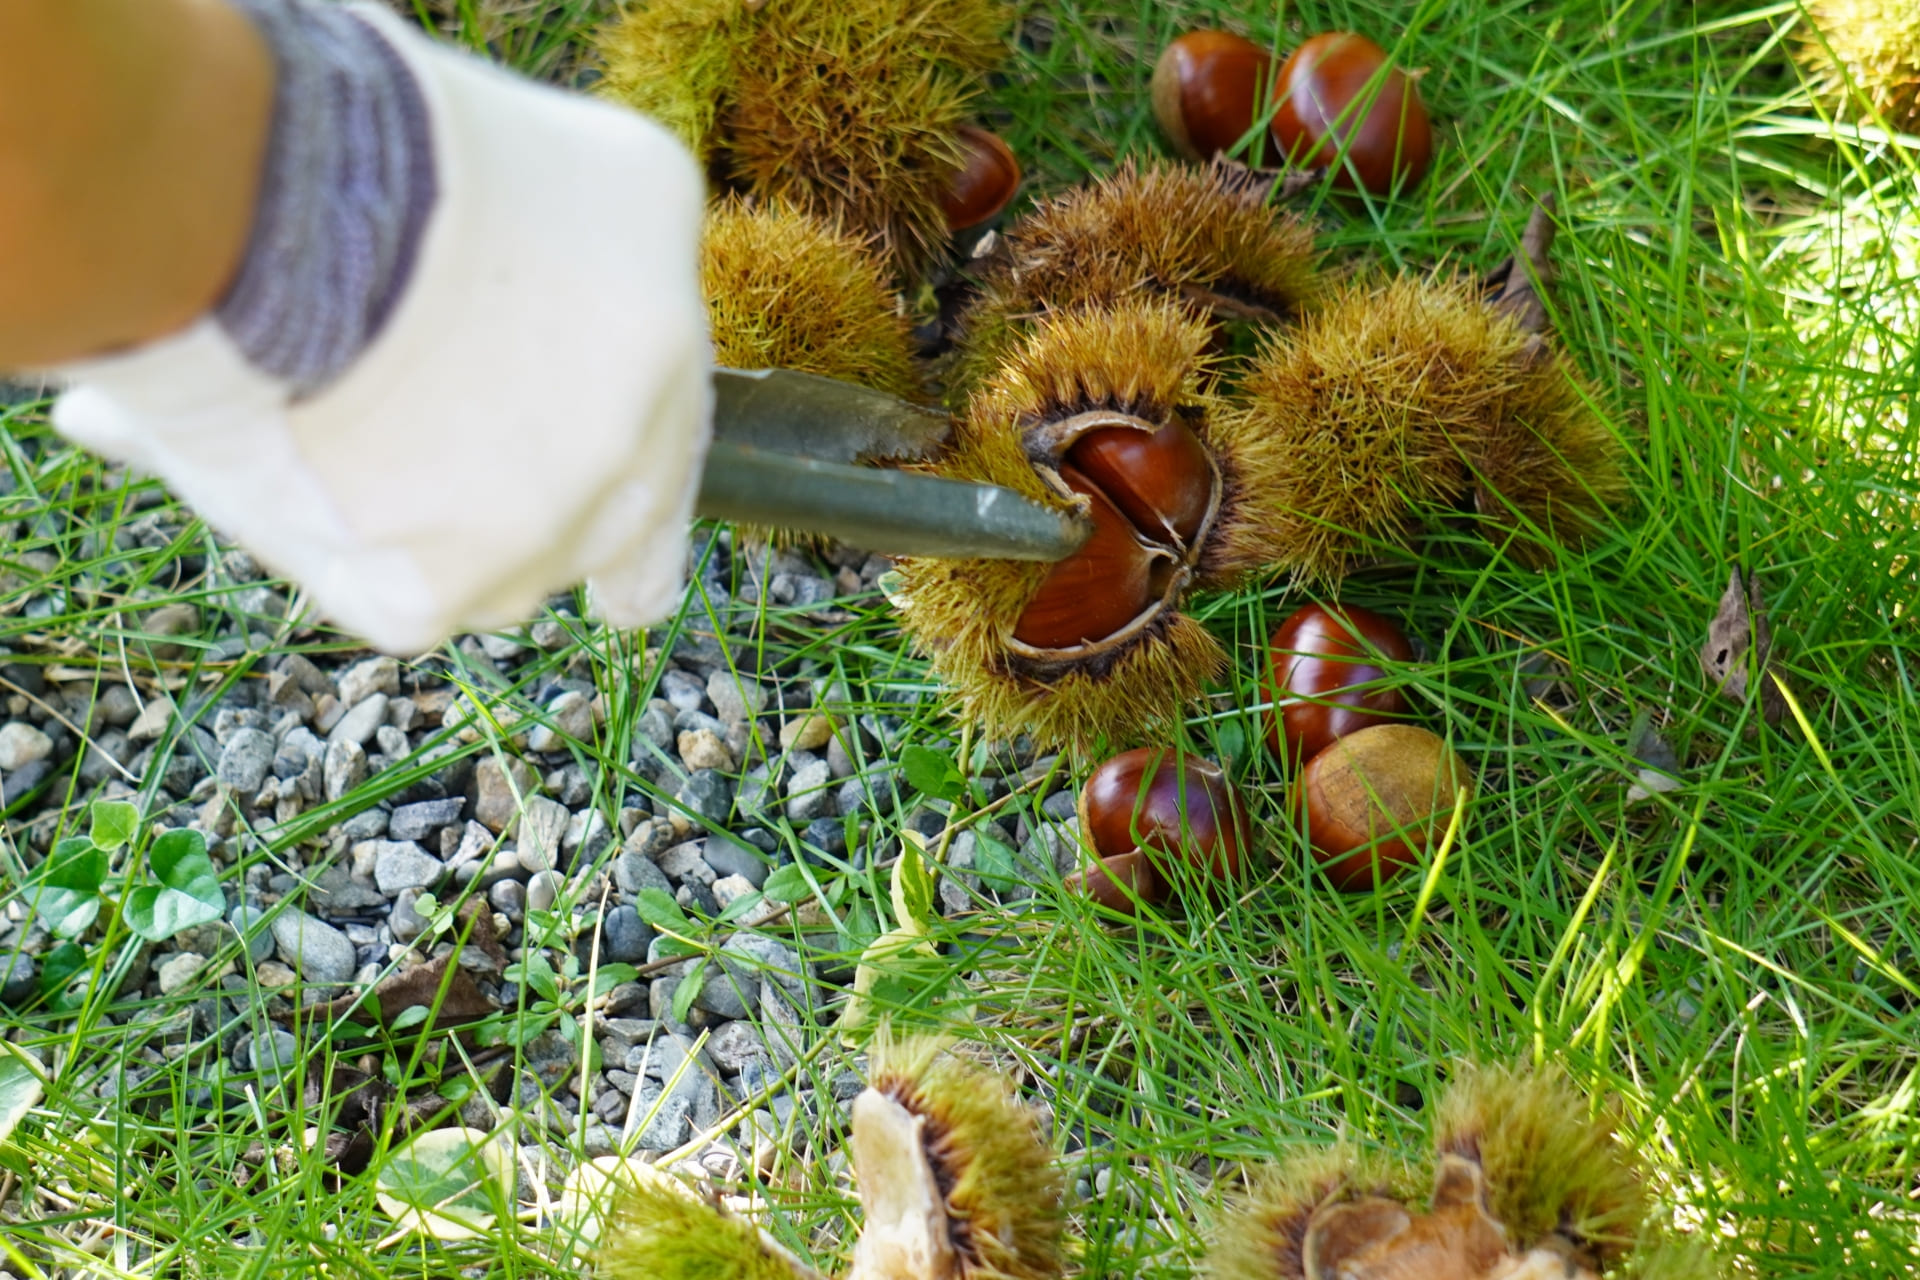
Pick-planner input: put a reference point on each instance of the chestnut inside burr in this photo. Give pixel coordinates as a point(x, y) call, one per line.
point(1153, 492)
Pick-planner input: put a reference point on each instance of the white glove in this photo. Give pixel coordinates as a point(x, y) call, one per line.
point(533, 411)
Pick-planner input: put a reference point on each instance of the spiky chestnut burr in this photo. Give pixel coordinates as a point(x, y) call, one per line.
point(1862, 58)
point(1526, 1184)
point(786, 291)
point(1404, 400)
point(850, 109)
point(1203, 236)
point(1109, 411)
point(955, 1179)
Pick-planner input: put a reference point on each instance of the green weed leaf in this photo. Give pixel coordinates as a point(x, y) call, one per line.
point(20, 1087)
point(788, 884)
point(657, 908)
point(997, 865)
point(933, 772)
point(912, 885)
point(683, 995)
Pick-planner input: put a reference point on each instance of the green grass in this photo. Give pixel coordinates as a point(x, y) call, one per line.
point(1737, 962)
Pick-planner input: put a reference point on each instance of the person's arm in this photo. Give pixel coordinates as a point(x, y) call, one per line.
point(131, 137)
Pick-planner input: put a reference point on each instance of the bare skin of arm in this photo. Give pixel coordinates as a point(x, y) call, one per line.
point(131, 136)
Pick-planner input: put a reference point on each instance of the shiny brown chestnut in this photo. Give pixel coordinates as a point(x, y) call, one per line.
point(986, 181)
point(1332, 106)
point(1206, 91)
point(1152, 800)
point(1162, 480)
point(1374, 801)
point(1320, 660)
point(1095, 591)
point(1108, 882)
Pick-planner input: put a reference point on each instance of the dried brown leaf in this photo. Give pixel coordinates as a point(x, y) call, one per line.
point(1740, 645)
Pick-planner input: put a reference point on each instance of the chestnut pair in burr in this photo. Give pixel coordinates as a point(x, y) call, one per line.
point(1337, 102)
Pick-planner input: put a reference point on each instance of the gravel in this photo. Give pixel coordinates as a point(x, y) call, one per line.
point(748, 768)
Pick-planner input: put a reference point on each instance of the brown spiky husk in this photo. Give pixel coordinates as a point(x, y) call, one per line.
point(1551, 1165)
point(845, 108)
point(1200, 235)
point(1261, 1236)
point(786, 291)
point(1390, 402)
point(1865, 53)
point(1546, 469)
point(1143, 357)
point(1004, 1192)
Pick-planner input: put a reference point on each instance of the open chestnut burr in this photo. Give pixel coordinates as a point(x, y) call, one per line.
point(1148, 808)
point(1324, 668)
point(1152, 492)
point(1111, 413)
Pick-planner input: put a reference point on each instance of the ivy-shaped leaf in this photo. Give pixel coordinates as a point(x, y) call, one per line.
point(114, 823)
point(66, 893)
point(188, 893)
point(445, 1183)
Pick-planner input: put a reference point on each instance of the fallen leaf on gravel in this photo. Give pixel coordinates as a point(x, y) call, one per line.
point(1739, 625)
point(442, 986)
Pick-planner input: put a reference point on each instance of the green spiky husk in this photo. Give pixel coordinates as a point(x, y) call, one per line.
point(1550, 1163)
point(845, 108)
point(1391, 401)
point(1865, 53)
point(1260, 1236)
point(1144, 357)
point(1004, 1191)
point(662, 1233)
point(1166, 229)
point(673, 61)
point(786, 291)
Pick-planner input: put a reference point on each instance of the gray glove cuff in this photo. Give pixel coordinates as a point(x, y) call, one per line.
point(345, 192)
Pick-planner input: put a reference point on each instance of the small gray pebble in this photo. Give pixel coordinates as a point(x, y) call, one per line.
point(544, 890)
point(249, 923)
point(624, 936)
point(730, 859)
point(634, 872)
point(509, 898)
point(273, 1052)
point(418, 821)
point(246, 760)
point(706, 794)
point(320, 952)
point(685, 692)
point(19, 982)
point(406, 923)
point(401, 864)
